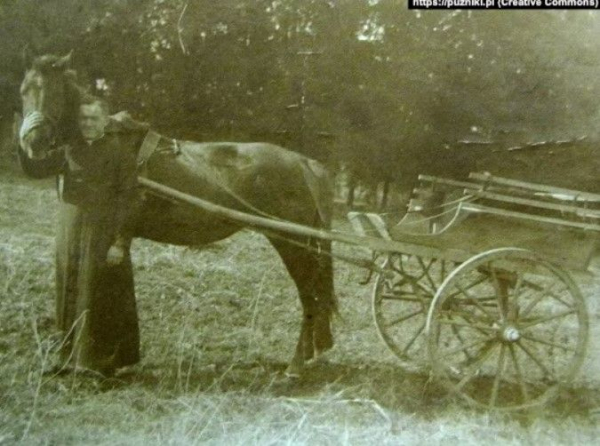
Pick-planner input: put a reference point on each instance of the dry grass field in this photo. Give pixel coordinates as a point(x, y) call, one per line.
point(218, 325)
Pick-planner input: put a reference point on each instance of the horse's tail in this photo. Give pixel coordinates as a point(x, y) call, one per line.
point(320, 184)
point(326, 284)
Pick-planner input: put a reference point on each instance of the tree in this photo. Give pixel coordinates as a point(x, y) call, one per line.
point(388, 91)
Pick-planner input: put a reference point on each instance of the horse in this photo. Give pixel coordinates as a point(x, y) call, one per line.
point(258, 178)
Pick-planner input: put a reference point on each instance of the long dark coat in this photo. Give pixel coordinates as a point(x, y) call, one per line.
point(95, 309)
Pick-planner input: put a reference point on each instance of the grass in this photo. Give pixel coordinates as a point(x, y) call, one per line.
point(218, 326)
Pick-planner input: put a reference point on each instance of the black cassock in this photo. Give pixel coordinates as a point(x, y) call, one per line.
point(95, 302)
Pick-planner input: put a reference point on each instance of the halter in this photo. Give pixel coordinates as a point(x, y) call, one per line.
point(31, 121)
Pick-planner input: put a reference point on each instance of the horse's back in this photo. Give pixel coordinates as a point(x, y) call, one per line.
point(258, 178)
point(277, 180)
point(241, 155)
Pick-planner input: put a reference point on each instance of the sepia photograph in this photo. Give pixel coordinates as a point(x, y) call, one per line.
point(299, 222)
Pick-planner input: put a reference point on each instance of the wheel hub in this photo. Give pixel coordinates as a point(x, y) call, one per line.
point(510, 334)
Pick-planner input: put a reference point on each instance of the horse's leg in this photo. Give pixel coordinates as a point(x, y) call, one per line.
point(325, 297)
point(313, 276)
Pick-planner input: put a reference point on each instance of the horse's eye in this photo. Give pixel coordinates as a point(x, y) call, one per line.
point(27, 88)
point(32, 81)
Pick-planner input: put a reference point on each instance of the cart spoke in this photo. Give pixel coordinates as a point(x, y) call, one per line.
point(486, 328)
point(398, 267)
point(501, 293)
point(494, 277)
point(426, 272)
point(414, 338)
point(405, 317)
point(397, 270)
point(538, 321)
point(418, 285)
point(548, 343)
point(538, 299)
point(469, 319)
point(522, 384)
point(484, 300)
point(517, 288)
point(474, 301)
point(548, 292)
point(499, 373)
point(473, 368)
point(464, 348)
point(456, 332)
point(408, 297)
point(479, 281)
point(400, 302)
point(393, 282)
point(559, 299)
point(535, 359)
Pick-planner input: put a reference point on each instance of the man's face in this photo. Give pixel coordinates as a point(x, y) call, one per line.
point(92, 121)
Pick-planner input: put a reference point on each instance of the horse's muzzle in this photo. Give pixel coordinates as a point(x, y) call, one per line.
point(36, 136)
point(36, 156)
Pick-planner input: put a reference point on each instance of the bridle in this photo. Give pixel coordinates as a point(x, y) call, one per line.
point(32, 121)
point(36, 119)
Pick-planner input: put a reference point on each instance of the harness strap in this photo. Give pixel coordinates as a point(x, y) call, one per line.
point(149, 146)
point(367, 223)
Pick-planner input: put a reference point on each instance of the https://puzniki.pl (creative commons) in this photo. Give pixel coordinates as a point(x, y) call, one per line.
point(503, 4)
point(567, 4)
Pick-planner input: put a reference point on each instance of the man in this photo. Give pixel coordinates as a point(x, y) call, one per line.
point(95, 309)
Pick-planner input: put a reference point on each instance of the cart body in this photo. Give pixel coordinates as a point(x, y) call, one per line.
point(480, 293)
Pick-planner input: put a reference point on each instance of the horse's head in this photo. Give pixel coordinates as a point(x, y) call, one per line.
point(46, 94)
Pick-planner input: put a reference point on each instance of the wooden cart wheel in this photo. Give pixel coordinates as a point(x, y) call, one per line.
point(401, 299)
point(506, 329)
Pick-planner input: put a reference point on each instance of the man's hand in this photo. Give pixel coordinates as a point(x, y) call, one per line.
point(115, 255)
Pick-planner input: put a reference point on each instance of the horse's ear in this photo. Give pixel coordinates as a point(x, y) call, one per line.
point(64, 62)
point(28, 56)
point(71, 75)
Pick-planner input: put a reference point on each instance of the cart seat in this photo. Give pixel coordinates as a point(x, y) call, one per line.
point(456, 219)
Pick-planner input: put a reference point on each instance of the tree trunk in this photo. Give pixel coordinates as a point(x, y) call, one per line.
point(384, 196)
point(351, 189)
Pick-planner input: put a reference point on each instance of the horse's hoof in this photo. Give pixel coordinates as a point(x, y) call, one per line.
point(308, 355)
point(320, 359)
point(293, 372)
point(291, 375)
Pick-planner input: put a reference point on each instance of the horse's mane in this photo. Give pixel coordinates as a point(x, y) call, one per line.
point(74, 93)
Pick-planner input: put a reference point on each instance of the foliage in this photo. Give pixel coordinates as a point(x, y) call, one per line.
point(371, 84)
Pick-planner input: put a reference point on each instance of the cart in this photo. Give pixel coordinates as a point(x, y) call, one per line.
point(482, 295)
point(473, 283)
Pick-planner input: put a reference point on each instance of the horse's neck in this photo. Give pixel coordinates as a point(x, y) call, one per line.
point(68, 133)
point(68, 125)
